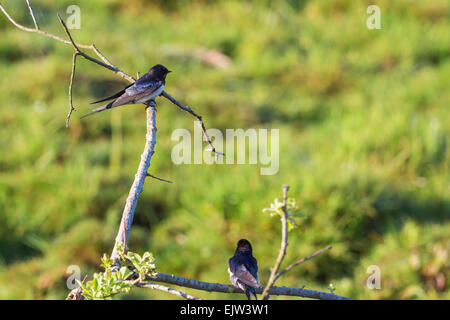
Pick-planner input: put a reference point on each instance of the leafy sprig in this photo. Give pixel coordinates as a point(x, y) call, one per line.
point(292, 211)
point(134, 268)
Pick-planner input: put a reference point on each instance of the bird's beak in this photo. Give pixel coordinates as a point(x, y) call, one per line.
point(169, 71)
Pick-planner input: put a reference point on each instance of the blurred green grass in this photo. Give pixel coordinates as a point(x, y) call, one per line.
point(364, 134)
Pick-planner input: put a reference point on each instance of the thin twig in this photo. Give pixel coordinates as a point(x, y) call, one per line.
point(92, 47)
point(283, 248)
point(40, 31)
point(104, 59)
point(154, 286)
point(77, 46)
point(72, 76)
point(224, 288)
point(105, 63)
point(32, 15)
point(163, 180)
point(279, 274)
point(188, 109)
point(67, 32)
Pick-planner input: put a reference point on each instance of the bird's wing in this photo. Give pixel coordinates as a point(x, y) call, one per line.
point(116, 95)
point(242, 273)
point(252, 266)
point(137, 92)
point(133, 93)
point(142, 84)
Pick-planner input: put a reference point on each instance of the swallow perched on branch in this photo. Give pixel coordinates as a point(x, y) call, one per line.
point(243, 269)
point(146, 88)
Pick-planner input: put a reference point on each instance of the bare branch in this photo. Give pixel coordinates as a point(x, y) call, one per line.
point(104, 63)
point(283, 248)
point(187, 109)
point(155, 286)
point(279, 274)
point(107, 64)
point(224, 288)
point(138, 183)
point(39, 31)
point(67, 32)
point(32, 15)
point(72, 76)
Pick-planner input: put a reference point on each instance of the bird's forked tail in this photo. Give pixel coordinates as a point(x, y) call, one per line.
point(251, 293)
point(99, 109)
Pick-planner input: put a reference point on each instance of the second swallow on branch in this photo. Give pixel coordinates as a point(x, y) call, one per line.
point(146, 88)
point(243, 269)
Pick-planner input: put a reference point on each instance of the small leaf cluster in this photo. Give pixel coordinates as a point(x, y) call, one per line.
point(292, 211)
point(331, 288)
point(143, 266)
point(134, 268)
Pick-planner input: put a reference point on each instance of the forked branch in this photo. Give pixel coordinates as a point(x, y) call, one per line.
point(284, 244)
point(275, 274)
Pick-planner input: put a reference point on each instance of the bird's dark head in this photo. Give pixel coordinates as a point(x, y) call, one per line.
point(244, 246)
point(159, 72)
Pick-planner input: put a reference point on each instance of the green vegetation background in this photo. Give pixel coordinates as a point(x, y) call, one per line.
point(364, 143)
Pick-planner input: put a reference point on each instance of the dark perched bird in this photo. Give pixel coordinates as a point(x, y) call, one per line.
point(146, 88)
point(243, 269)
